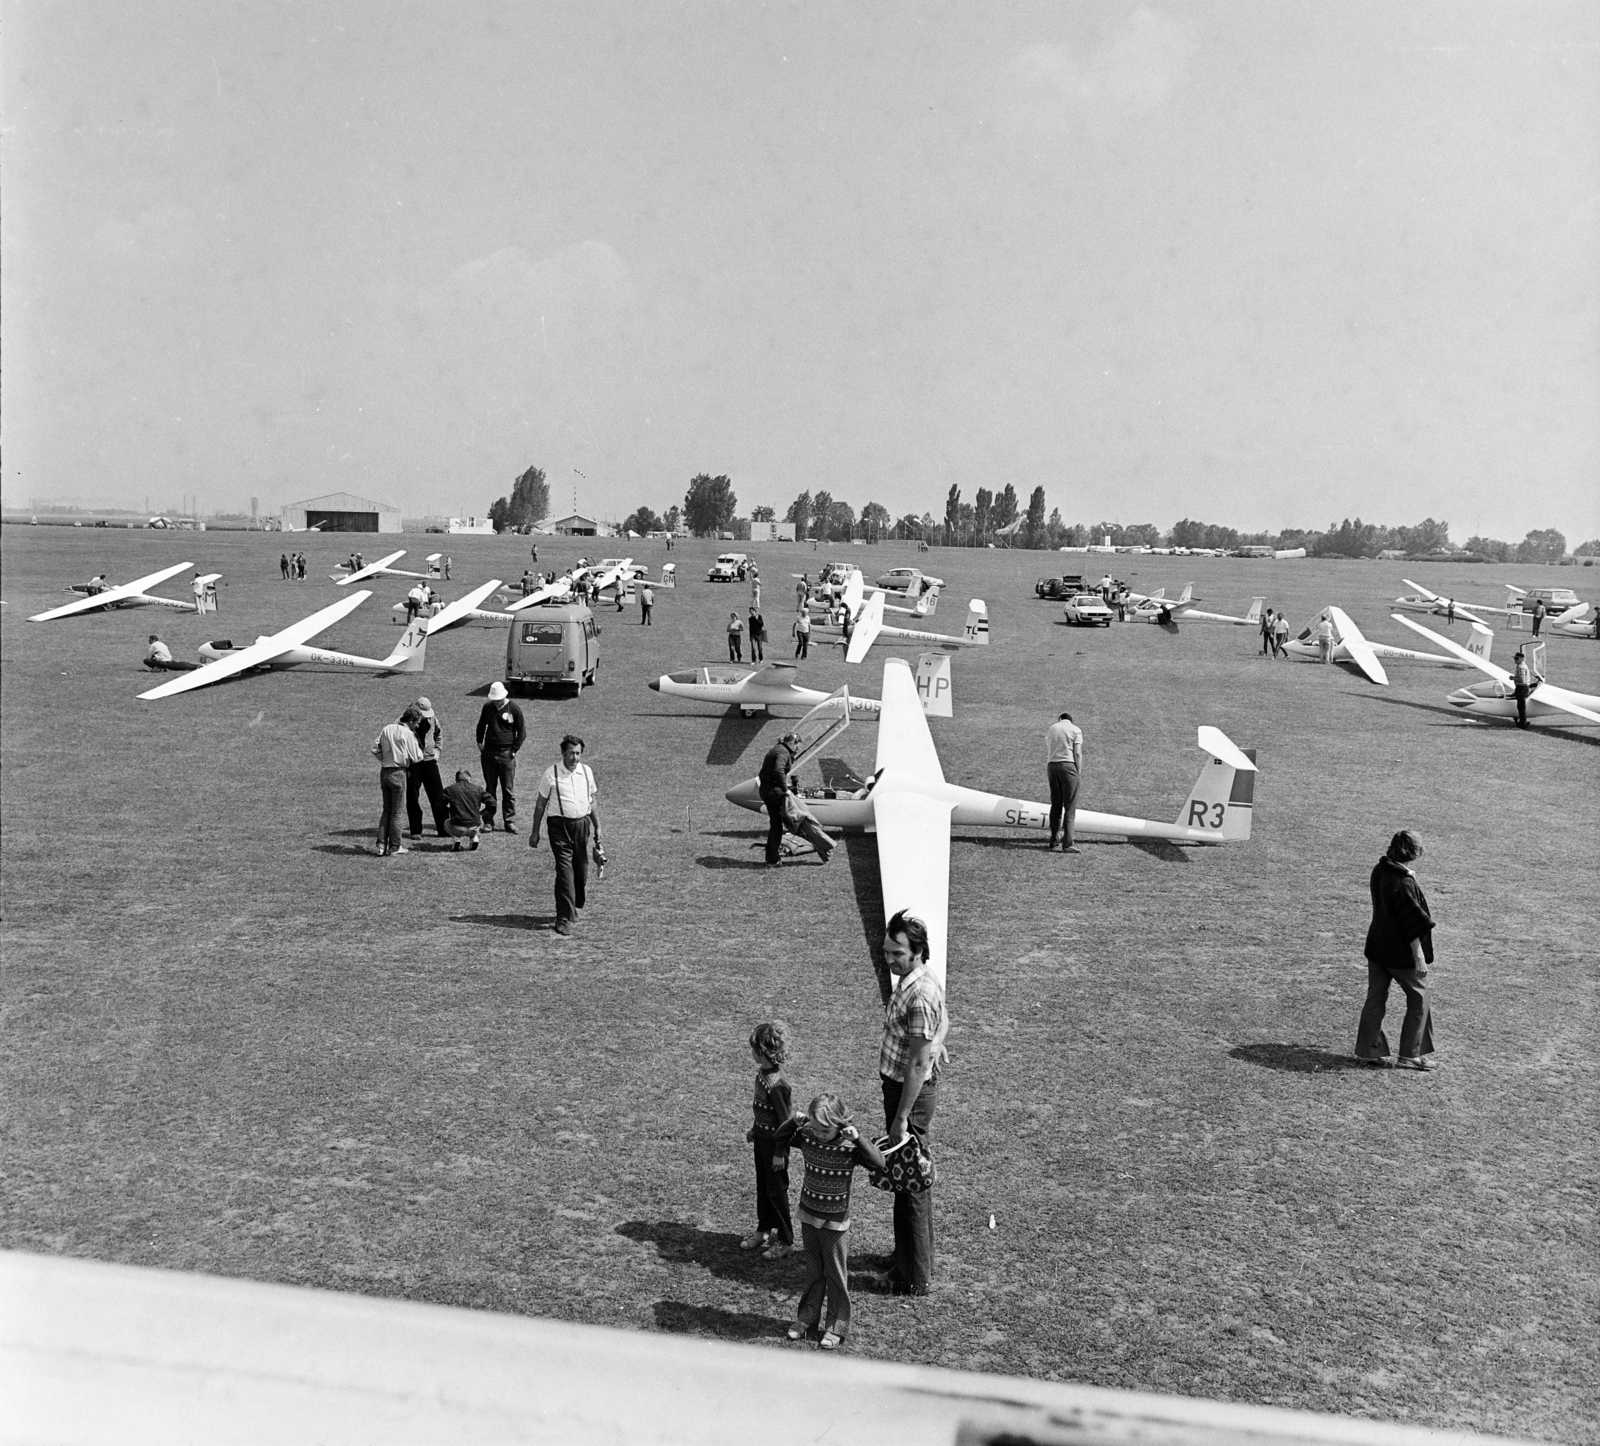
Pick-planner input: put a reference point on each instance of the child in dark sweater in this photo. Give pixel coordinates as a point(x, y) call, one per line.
point(773, 1105)
point(832, 1149)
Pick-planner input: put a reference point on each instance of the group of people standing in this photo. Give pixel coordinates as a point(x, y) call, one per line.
point(1275, 634)
point(911, 1061)
point(293, 566)
point(408, 753)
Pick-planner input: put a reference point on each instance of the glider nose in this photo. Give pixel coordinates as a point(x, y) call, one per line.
point(655, 685)
point(746, 795)
point(1463, 698)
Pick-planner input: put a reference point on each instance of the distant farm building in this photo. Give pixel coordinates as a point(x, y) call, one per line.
point(471, 524)
point(340, 512)
point(772, 532)
point(578, 526)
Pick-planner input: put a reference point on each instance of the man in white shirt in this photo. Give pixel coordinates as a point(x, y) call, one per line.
point(1063, 758)
point(570, 795)
point(160, 658)
point(396, 748)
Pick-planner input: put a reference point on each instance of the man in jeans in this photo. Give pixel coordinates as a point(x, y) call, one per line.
point(1063, 759)
point(395, 748)
point(500, 734)
point(914, 1026)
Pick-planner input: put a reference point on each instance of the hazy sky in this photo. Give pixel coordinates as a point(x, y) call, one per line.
point(1265, 264)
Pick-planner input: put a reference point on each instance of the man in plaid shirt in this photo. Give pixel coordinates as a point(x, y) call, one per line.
point(914, 1027)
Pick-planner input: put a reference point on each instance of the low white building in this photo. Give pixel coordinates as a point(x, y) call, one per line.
point(470, 524)
point(578, 525)
point(772, 532)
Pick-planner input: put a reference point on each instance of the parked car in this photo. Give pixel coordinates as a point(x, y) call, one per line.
point(1059, 587)
point(899, 579)
point(728, 567)
point(1087, 610)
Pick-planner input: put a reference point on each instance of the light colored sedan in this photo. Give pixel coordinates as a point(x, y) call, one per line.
point(899, 579)
point(1088, 610)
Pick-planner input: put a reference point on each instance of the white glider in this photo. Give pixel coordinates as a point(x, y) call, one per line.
point(922, 592)
point(463, 610)
point(1546, 704)
point(133, 594)
point(912, 809)
point(286, 650)
point(1349, 646)
point(1181, 610)
point(1576, 623)
point(773, 686)
point(382, 568)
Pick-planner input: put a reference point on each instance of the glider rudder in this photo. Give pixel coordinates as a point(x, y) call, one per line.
point(410, 655)
point(1222, 799)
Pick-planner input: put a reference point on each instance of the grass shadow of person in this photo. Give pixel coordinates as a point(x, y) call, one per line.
point(1294, 1058)
point(716, 1251)
point(507, 921)
point(681, 1318)
point(345, 848)
point(718, 861)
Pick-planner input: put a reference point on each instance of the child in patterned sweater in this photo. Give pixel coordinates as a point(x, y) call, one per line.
point(773, 1105)
point(832, 1150)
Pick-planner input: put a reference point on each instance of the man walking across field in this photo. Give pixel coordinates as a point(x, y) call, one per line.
point(501, 733)
point(572, 797)
point(915, 1023)
point(1063, 758)
point(1267, 625)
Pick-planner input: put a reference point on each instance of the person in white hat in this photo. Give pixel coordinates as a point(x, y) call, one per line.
point(425, 775)
point(500, 735)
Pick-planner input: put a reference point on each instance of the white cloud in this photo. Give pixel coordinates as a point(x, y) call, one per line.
point(1132, 71)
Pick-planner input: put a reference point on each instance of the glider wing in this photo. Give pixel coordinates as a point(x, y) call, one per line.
point(112, 595)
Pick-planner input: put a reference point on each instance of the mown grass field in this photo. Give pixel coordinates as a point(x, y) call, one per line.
point(236, 1042)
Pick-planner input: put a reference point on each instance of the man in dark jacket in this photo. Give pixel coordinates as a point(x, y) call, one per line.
point(501, 732)
point(774, 783)
point(464, 799)
point(1399, 950)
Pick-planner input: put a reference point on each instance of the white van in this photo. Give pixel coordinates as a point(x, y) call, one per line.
point(554, 644)
point(728, 567)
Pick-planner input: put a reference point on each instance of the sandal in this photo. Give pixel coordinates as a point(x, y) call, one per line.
point(830, 1342)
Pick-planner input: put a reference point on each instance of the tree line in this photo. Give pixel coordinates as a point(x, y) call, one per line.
point(999, 519)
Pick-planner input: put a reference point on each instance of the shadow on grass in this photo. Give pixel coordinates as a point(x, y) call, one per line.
point(715, 1250)
point(837, 774)
point(1163, 849)
point(1465, 721)
point(507, 921)
point(1294, 1058)
point(343, 848)
point(708, 1320)
point(862, 851)
point(718, 861)
point(734, 734)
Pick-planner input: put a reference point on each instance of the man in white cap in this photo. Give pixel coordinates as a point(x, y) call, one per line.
point(501, 732)
point(425, 775)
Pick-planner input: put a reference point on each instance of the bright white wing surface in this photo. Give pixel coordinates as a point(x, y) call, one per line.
point(263, 651)
point(904, 742)
point(111, 594)
point(543, 593)
point(914, 863)
point(372, 569)
point(1481, 664)
point(461, 607)
point(1357, 646)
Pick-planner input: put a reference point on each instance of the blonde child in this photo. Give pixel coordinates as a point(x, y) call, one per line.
point(832, 1149)
point(773, 1106)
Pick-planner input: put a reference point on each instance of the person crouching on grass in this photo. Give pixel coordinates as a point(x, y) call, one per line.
point(832, 1149)
point(774, 1106)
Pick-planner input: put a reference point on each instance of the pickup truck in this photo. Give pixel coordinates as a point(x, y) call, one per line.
point(1059, 587)
point(728, 568)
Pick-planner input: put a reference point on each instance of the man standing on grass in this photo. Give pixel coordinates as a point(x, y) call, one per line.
point(915, 1023)
point(501, 733)
point(647, 602)
point(572, 797)
point(396, 749)
point(1063, 758)
point(1266, 633)
point(773, 782)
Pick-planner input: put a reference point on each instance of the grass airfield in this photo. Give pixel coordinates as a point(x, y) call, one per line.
point(238, 1043)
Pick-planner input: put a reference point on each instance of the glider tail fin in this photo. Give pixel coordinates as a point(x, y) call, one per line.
point(977, 629)
point(1254, 615)
point(1221, 800)
point(928, 603)
point(1481, 641)
point(410, 654)
point(1187, 595)
point(933, 684)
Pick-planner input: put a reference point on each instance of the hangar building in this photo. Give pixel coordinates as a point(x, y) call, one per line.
point(340, 512)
